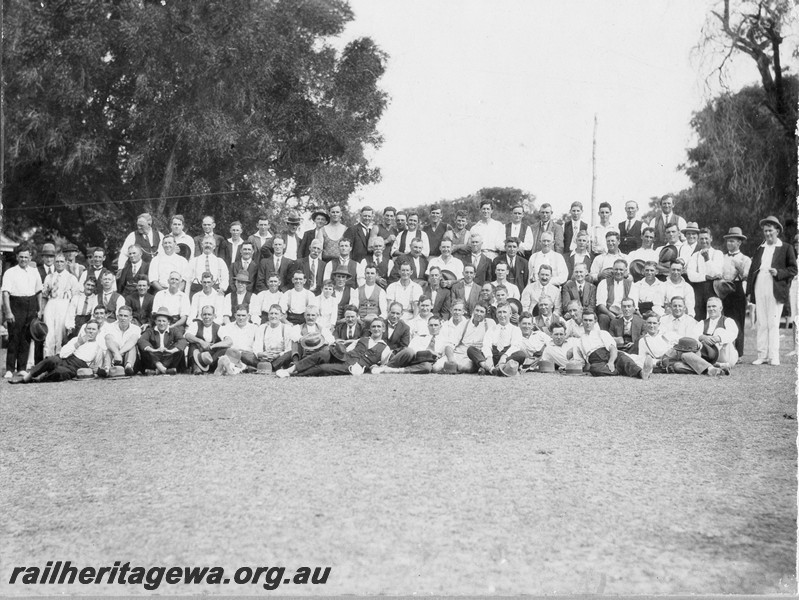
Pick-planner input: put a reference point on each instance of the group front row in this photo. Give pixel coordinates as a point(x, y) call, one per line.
point(492, 341)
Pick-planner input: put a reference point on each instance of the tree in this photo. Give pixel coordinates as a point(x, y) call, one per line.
point(503, 199)
point(228, 108)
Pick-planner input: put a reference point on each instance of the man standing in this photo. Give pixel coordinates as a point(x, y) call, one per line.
point(108, 297)
point(380, 260)
point(129, 275)
point(262, 239)
point(57, 290)
point(147, 238)
point(333, 233)
point(599, 233)
point(320, 218)
point(405, 239)
point(704, 267)
point(520, 231)
point(736, 271)
point(208, 235)
point(371, 297)
point(676, 286)
point(406, 292)
point(276, 264)
point(344, 262)
point(141, 302)
point(665, 218)
point(547, 225)
point(246, 265)
point(207, 262)
point(184, 243)
point(96, 266)
point(490, 232)
point(573, 226)
point(630, 230)
point(290, 237)
point(691, 234)
point(22, 302)
point(461, 236)
point(359, 234)
point(229, 251)
point(416, 259)
point(602, 265)
point(435, 230)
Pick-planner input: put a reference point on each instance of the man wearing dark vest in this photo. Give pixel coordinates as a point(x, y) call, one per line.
point(611, 292)
point(371, 297)
point(736, 271)
point(239, 294)
point(349, 328)
point(147, 238)
point(208, 225)
point(108, 296)
point(435, 230)
point(205, 346)
point(381, 260)
point(630, 230)
point(141, 302)
point(129, 275)
point(402, 245)
point(96, 266)
point(313, 267)
point(521, 231)
point(718, 337)
point(343, 292)
point(664, 218)
point(357, 357)
point(359, 234)
point(572, 227)
point(344, 262)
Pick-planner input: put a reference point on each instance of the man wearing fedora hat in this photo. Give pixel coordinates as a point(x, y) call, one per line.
point(160, 347)
point(246, 264)
point(686, 358)
point(238, 295)
point(730, 288)
point(772, 270)
point(320, 218)
point(290, 235)
point(353, 359)
point(22, 302)
point(703, 268)
point(205, 344)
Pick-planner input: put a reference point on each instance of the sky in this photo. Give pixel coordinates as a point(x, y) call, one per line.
point(504, 92)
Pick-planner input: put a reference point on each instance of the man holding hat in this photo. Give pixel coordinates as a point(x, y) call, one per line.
point(239, 295)
point(601, 356)
point(160, 347)
point(120, 343)
point(320, 218)
point(703, 268)
point(22, 302)
point(78, 353)
point(240, 336)
point(205, 345)
point(246, 264)
point(730, 287)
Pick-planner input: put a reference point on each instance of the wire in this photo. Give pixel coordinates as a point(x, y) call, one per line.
point(82, 204)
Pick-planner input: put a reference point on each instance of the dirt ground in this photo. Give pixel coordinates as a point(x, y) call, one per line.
point(410, 485)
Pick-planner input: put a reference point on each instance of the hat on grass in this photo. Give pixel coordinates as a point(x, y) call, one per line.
point(574, 367)
point(203, 360)
point(687, 344)
point(546, 366)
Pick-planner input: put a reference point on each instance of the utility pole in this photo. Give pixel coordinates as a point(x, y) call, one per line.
point(593, 178)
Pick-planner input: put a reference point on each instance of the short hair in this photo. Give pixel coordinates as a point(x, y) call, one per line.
point(714, 300)
point(610, 234)
point(433, 318)
point(412, 213)
point(545, 205)
point(263, 217)
point(236, 223)
point(606, 205)
point(503, 305)
point(125, 308)
point(525, 315)
point(167, 236)
point(142, 277)
point(633, 201)
point(435, 207)
point(462, 213)
point(651, 313)
point(574, 304)
point(206, 274)
point(500, 287)
point(512, 240)
point(650, 263)
point(177, 218)
point(482, 305)
point(243, 307)
point(247, 243)
point(458, 302)
point(146, 216)
point(351, 308)
point(365, 208)
point(545, 267)
point(329, 282)
point(434, 268)
point(393, 304)
point(620, 260)
point(486, 203)
point(424, 298)
point(588, 313)
point(390, 209)
point(93, 322)
point(211, 307)
point(680, 298)
point(135, 247)
point(577, 204)
point(670, 225)
point(706, 230)
point(401, 212)
point(545, 298)
point(379, 320)
point(647, 230)
point(277, 306)
point(557, 325)
point(666, 197)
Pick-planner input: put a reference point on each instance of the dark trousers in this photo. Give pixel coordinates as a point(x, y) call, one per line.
point(321, 363)
point(475, 354)
point(598, 364)
point(702, 291)
point(215, 354)
point(170, 361)
point(57, 368)
point(411, 361)
point(24, 309)
point(734, 306)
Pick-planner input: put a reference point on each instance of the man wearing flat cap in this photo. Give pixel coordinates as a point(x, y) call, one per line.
point(290, 236)
point(320, 218)
point(734, 273)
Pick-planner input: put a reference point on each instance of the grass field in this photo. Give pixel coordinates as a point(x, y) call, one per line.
point(434, 485)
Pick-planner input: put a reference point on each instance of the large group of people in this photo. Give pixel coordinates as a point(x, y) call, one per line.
point(389, 295)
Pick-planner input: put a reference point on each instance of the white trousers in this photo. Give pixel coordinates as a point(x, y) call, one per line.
point(768, 312)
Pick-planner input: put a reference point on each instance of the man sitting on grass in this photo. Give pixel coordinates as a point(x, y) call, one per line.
point(78, 353)
point(160, 347)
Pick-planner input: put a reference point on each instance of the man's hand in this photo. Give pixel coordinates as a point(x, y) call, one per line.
point(10, 317)
point(172, 350)
point(612, 366)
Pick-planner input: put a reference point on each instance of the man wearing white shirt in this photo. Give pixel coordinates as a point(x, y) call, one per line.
point(501, 274)
point(296, 300)
point(736, 271)
point(491, 232)
point(704, 266)
point(580, 254)
point(233, 244)
point(402, 245)
point(688, 247)
point(176, 230)
point(542, 286)
point(602, 265)
point(22, 302)
point(420, 355)
point(418, 324)
point(670, 250)
point(572, 227)
point(560, 348)
point(611, 292)
point(676, 285)
point(208, 296)
point(96, 266)
point(78, 353)
point(344, 261)
point(456, 353)
point(665, 218)
point(630, 229)
point(207, 262)
point(647, 250)
point(678, 324)
point(601, 356)
point(519, 230)
point(650, 291)
point(531, 344)
point(381, 260)
point(548, 256)
point(406, 292)
point(175, 301)
point(599, 233)
point(447, 262)
point(547, 225)
point(167, 261)
point(147, 238)
point(203, 338)
point(262, 239)
point(240, 336)
point(273, 342)
point(499, 342)
point(120, 343)
point(259, 307)
point(371, 297)
point(718, 335)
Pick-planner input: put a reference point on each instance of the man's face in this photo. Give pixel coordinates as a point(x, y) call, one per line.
point(434, 327)
point(91, 331)
point(350, 317)
point(627, 308)
point(208, 284)
point(341, 280)
point(704, 241)
point(169, 245)
point(327, 290)
point(394, 314)
point(580, 271)
point(263, 227)
point(273, 283)
point(526, 325)
point(517, 214)
point(677, 308)
point(370, 275)
point(335, 214)
point(652, 325)
point(576, 213)
point(389, 218)
point(446, 249)
point(503, 315)
point(402, 222)
point(98, 314)
point(311, 314)
point(544, 214)
point(298, 280)
point(559, 336)
point(278, 245)
point(648, 240)
point(460, 223)
point(89, 287)
point(501, 272)
point(315, 249)
point(47, 261)
point(378, 245)
point(173, 281)
point(478, 314)
point(576, 313)
point(649, 273)
point(247, 251)
point(434, 278)
point(511, 249)
point(588, 322)
point(546, 243)
point(241, 318)
point(416, 248)
point(733, 245)
point(713, 309)
point(672, 234)
point(500, 295)
point(141, 287)
point(457, 313)
point(604, 214)
point(97, 259)
point(405, 272)
point(376, 329)
point(435, 217)
point(142, 226)
point(107, 281)
point(545, 308)
point(60, 263)
point(544, 275)
point(477, 244)
point(320, 221)
point(619, 271)
point(468, 274)
point(675, 272)
point(177, 227)
point(631, 208)
point(667, 205)
point(162, 323)
point(208, 247)
point(486, 211)
point(208, 225)
point(486, 292)
point(292, 226)
point(273, 315)
point(241, 287)
point(691, 237)
point(134, 254)
point(582, 243)
point(612, 243)
point(344, 248)
point(124, 317)
point(235, 231)
point(413, 222)
point(207, 315)
point(425, 308)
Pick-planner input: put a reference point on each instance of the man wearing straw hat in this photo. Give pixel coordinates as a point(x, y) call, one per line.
point(730, 287)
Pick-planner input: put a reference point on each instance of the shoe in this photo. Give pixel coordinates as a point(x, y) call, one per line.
point(759, 361)
point(117, 363)
point(150, 372)
point(172, 371)
point(450, 367)
point(8, 375)
point(714, 372)
point(282, 373)
point(774, 362)
point(726, 368)
point(102, 373)
point(128, 370)
point(648, 367)
point(23, 374)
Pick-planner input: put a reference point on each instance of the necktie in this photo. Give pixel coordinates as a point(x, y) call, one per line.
point(580, 290)
point(313, 273)
point(432, 345)
point(349, 333)
point(277, 264)
point(207, 264)
point(85, 305)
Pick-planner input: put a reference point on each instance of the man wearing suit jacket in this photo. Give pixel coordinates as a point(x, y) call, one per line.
point(290, 237)
point(546, 224)
point(359, 233)
point(230, 250)
point(579, 289)
point(262, 239)
point(627, 328)
point(630, 230)
point(397, 333)
point(208, 225)
point(245, 263)
point(313, 267)
point(348, 329)
point(320, 219)
point(278, 264)
point(517, 266)
point(160, 348)
point(126, 282)
point(574, 225)
point(416, 259)
point(467, 289)
point(141, 302)
point(435, 230)
point(439, 295)
point(482, 264)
